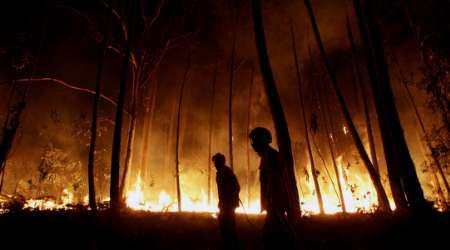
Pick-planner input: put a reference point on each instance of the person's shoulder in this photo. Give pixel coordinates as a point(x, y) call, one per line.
point(227, 170)
point(272, 152)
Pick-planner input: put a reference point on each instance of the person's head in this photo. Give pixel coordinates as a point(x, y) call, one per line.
point(219, 160)
point(260, 138)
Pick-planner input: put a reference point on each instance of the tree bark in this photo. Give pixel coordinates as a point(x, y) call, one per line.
point(305, 124)
point(375, 178)
point(401, 170)
point(279, 119)
point(177, 142)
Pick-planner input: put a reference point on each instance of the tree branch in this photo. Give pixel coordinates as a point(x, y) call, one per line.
point(67, 85)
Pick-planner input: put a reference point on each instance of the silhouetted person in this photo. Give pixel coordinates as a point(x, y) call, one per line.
point(274, 194)
point(228, 189)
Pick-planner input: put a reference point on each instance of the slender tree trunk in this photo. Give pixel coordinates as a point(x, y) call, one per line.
point(148, 128)
point(381, 194)
point(230, 97)
point(330, 145)
point(401, 169)
point(177, 142)
point(95, 107)
point(305, 124)
point(279, 119)
point(322, 111)
point(247, 145)
point(117, 136)
point(333, 155)
point(130, 144)
point(360, 86)
point(210, 131)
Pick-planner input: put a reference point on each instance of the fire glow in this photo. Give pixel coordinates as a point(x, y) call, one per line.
point(358, 193)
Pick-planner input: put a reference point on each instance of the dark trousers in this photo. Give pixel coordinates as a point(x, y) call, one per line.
point(227, 225)
point(275, 232)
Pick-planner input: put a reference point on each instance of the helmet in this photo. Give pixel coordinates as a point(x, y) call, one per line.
point(260, 135)
point(218, 158)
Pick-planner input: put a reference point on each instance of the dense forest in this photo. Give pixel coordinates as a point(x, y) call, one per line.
point(119, 105)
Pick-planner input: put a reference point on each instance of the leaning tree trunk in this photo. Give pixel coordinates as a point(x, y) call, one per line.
point(177, 142)
point(330, 144)
point(305, 124)
point(332, 153)
point(374, 176)
point(321, 108)
point(398, 159)
point(5, 145)
point(279, 119)
point(360, 86)
point(95, 107)
point(130, 143)
point(423, 130)
point(210, 133)
point(117, 136)
point(11, 124)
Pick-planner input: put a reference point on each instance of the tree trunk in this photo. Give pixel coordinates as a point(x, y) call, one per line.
point(230, 98)
point(332, 153)
point(210, 133)
point(130, 143)
point(423, 130)
point(360, 86)
point(381, 194)
point(330, 144)
point(247, 145)
point(148, 128)
point(177, 142)
point(305, 124)
point(95, 107)
point(401, 170)
point(117, 136)
point(11, 124)
point(279, 119)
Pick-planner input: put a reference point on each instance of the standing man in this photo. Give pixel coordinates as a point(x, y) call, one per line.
point(274, 191)
point(228, 189)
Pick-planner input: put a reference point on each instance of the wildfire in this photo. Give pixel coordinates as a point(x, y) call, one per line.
point(359, 196)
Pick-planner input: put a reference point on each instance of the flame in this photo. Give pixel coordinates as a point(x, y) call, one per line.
point(359, 196)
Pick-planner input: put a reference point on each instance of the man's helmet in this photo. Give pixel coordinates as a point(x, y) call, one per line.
point(260, 135)
point(219, 158)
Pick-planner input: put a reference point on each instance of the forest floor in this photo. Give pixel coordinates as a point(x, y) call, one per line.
point(144, 230)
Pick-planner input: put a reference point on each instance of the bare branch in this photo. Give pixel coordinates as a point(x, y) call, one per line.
point(120, 52)
point(67, 85)
point(118, 17)
point(75, 11)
